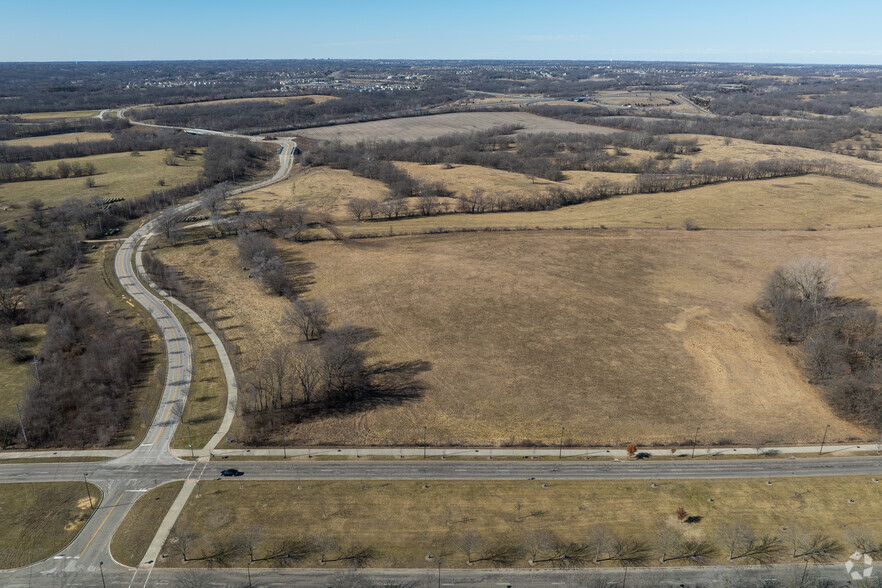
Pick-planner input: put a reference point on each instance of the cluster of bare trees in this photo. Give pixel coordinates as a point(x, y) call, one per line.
point(25, 171)
point(840, 339)
point(326, 368)
point(261, 258)
point(87, 366)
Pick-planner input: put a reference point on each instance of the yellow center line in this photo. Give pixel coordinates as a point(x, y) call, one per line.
point(101, 525)
point(161, 309)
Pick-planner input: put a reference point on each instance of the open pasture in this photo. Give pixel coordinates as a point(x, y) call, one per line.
point(617, 336)
point(44, 140)
point(117, 175)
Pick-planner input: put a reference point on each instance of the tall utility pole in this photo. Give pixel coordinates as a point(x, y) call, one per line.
point(36, 364)
point(88, 493)
point(824, 440)
point(695, 440)
point(560, 447)
point(21, 424)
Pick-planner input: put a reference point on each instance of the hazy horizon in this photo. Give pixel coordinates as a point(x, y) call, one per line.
point(787, 32)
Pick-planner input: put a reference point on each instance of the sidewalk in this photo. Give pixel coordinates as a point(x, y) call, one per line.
point(568, 452)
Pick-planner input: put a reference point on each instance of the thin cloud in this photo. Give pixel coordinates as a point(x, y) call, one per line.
point(551, 38)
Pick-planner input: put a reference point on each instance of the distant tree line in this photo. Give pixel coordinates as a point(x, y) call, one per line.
point(12, 130)
point(135, 139)
point(812, 133)
point(265, 116)
point(840, 339)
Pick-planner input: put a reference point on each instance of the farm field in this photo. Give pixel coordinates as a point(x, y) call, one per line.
point(530, 331)
point(117, 175)
point(38, 520)
point(53, 139)
point(433, 520)
point(437, 125)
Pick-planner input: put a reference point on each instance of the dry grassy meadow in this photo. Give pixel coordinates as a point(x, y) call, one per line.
point(428, 127)
point(117, 174)
point(616, 335)
point(54, 116)
point(54, 139)
point(431, 520)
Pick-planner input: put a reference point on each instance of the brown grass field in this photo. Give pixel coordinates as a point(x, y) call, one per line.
point(430, 520)
point(616, 335)
point(321, 188)
point(58, 115)
point(118, 174)
point(431, 126)
point(53, 139)
point(816, 202)
point(38, 520)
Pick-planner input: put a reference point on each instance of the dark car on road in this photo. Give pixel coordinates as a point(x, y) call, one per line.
point(232, 472)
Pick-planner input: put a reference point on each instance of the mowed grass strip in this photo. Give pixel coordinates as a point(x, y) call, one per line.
point(117, 175)
point(39, 520)
point(55, 139)
point(618, 336)
point(133, 537)
point(402, 522)
point(207, 399)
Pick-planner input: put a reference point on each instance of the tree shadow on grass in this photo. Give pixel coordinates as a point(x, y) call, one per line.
point(389, 384)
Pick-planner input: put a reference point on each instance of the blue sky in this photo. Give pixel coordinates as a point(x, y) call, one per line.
point(785, 31)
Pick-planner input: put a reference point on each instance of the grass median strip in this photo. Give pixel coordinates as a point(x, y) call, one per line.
point(207, 399)
point(399, 524)
point(39, 519)
point(133, 537)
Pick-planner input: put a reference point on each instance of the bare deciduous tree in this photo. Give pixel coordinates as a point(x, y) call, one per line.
point(309, 317)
